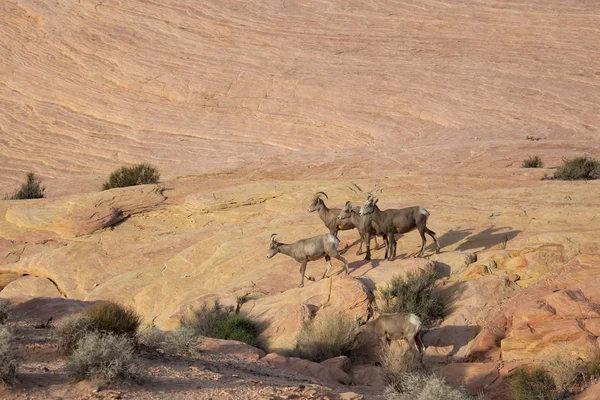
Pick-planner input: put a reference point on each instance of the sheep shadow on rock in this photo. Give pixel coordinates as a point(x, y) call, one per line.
point(488, 238)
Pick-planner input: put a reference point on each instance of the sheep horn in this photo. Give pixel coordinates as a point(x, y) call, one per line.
point(273, 235)
point(323, 193)
point(348, 204)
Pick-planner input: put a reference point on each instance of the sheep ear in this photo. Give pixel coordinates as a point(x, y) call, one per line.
point(273, 236)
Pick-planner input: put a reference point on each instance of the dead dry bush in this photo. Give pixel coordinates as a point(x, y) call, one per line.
point(102, 357)
point(70, 331)
point(330, 334)
point(150, 337)
point(181, 341)
point(5, 309)
point(422, 386)
point(9, 362)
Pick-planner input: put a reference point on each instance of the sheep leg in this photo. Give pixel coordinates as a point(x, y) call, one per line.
point(368, 244)
point(302, 272)
point(391, 247)
point(362, 241)
point(423, 241)
point(328, 260)
point(342, 259)
point(434, 237)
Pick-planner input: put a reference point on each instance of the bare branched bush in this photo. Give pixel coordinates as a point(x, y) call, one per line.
point(397, 360)
point(419, 386)
point(103, 357)
point(140, 174)
point(70, 331)
point(151, 337)
point(5, 309)
point(181, 341)
point(330, 334)
point(9, 362)
point(32, 189)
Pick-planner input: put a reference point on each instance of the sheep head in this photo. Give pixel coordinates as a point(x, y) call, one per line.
point(273, 248)
point(346, 211)
point(369, 206)
point(317, 201)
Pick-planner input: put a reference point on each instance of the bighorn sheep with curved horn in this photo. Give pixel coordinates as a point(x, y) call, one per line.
point(398, 221)
point(362, 224)
point(330, 216)
point(310, 249)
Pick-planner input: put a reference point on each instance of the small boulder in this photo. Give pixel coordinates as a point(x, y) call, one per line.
point(308, 368)
point(341, 362)
point(233, 347)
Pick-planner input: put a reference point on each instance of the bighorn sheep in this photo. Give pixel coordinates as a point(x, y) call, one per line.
point(310, 249)
point(329, 215)
point(362, 224)
point(396, 326)
point(394, 221)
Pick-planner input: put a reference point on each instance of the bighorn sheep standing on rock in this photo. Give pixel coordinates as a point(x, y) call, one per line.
point(398, 221)
point(397, 326)
point(363, 225)
point(310, 249)
point(330, 216)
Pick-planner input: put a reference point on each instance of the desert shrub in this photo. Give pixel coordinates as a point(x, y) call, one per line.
point(240, 328)
point(9, 362)
point(419, 386)
point(219, 323)
point(578, 168)
point(107, 357)
point(413, 295)
point(114, 318)
point(330, 334)
point(181, 340)
point(140, 174)
point(532, 162)
point(592, 368)
point(70, 331)
point(205, 320)
point(534, 385)
point(32, 189)
point(567, 371)
point(4, 310)
point(150, 337)
point(397, 361)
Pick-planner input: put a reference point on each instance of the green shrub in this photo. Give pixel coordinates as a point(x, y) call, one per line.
point(111, 317)
point(32, 189)
point(330, 334)
point(240, 328)
point(534, 385)
point(4, 310)
point(140, 174)
point(9, 362)
point(105, 357)
point(418, 386)
point(578, 168)
point(413, 295)
point(532, 162)
point(216, 322)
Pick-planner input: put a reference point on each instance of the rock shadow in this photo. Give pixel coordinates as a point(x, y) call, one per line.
point(454, 336)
